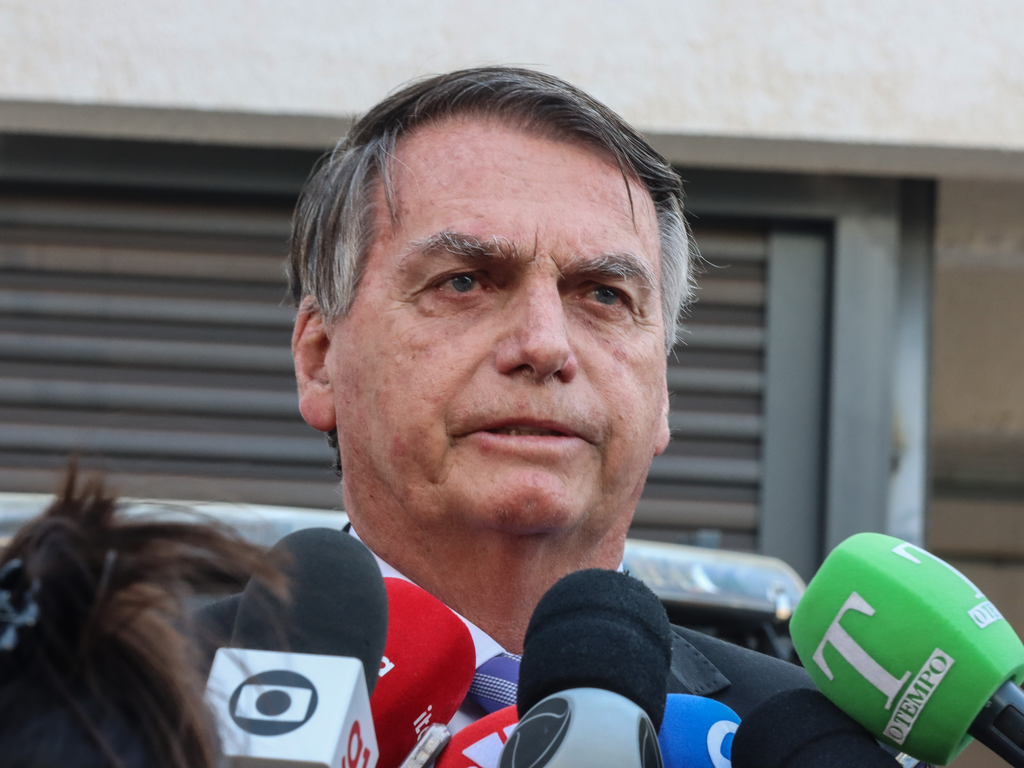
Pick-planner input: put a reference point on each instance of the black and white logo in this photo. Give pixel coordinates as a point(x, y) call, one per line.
point(538, 736)
point(273, 703)
point(650, 750)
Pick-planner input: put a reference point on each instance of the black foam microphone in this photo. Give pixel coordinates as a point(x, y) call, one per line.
point(592, 684)
point(337, 603)
point(294, 688)
point(801, 728)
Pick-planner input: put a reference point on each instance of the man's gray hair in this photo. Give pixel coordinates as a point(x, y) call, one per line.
point(333, 226)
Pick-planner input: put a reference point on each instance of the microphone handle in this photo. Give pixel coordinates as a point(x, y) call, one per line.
point(1000, 724)
point(431, 742)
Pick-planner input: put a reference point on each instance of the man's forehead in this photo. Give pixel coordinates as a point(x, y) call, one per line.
point(479, 178)
point(438, 152)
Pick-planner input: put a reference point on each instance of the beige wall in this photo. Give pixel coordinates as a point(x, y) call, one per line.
point(917, 71)
point(977, 423)
point(976, 517)
point(978, 347)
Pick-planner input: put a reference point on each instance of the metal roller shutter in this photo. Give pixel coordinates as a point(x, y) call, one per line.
point(705, 487)
point(150, 339)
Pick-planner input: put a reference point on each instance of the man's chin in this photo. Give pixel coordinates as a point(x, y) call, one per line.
point(532, 509)
point(532, 522)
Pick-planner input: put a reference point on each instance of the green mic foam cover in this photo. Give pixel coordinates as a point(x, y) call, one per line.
point(904, 643)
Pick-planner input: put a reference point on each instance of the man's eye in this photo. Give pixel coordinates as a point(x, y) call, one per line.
point(606, 295)
point(462, 283)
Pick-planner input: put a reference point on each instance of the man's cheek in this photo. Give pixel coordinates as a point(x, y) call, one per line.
point(399, 449)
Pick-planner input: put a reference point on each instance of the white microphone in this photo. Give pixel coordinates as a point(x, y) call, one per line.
point(270, 712)
point(583, 728)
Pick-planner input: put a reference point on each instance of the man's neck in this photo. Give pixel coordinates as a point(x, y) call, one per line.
point(494, 580)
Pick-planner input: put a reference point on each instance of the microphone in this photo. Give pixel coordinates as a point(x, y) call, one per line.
point(428, 665)
point(592, 681)
point(697, 732)
point(800, 727)
point(908, 647)
point(479, 744)
point(294, 688)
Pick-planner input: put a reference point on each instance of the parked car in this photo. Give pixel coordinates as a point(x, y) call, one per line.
point(741, 597)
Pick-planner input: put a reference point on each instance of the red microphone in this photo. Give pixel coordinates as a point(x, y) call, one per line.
point(428, 665)
point(479, 745)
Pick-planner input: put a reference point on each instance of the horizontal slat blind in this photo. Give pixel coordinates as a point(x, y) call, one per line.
point(711, 473)
point(151, 340)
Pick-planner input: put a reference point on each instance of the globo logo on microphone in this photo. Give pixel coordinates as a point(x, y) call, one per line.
point(273, 703)
point(282, 709)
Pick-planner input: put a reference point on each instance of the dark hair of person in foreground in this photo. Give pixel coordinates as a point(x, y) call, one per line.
point(96, 668)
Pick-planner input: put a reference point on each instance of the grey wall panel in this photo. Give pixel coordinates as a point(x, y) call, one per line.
point(863, 345)
point(795, 397)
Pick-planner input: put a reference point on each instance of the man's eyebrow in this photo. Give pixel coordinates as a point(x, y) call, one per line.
point(465, 246)
point(617, 266)
point(606, 266)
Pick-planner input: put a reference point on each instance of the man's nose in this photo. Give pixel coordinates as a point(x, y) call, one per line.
point(536, 343)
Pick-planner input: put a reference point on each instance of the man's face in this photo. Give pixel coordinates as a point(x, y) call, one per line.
point(502, 365)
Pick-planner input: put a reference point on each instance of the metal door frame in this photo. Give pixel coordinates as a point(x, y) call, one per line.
point(874, 473)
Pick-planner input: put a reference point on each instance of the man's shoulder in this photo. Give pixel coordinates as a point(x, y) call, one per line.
point(736, 676)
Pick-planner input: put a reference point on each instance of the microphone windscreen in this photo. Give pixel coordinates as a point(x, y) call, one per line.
point(479, 745)
point(696, 732)
point(598, 629)
point(428, 666)
point(904, 644)
point(336, 605)
point(801, 728)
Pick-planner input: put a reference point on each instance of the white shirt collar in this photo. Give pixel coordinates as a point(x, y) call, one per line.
point(486, 646)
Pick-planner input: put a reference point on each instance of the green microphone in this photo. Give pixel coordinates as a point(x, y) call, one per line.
point(908, 647)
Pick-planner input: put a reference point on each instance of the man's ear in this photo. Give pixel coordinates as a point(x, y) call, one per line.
point(664, 433)
point(311, 343)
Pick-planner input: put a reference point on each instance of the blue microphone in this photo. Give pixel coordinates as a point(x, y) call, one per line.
point(697, 732)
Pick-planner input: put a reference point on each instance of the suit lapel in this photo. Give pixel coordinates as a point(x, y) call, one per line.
point(691, 672)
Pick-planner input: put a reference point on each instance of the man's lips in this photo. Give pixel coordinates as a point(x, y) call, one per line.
point(523, 430)
point(519, 427)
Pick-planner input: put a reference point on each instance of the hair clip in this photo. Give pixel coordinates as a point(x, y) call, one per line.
point(12, 616)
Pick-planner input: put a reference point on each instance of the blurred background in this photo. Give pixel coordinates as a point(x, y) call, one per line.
point(855, 181)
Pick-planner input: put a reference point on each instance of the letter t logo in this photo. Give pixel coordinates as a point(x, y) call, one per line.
point(859, 659)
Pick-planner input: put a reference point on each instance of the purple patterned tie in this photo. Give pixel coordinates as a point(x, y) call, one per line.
point(496, 682)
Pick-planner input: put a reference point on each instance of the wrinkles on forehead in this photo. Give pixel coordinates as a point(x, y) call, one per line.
point(528, 126)
point(626, 266)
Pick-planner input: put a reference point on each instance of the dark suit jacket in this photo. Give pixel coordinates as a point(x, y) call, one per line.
point(739, 678)
point(701, 665)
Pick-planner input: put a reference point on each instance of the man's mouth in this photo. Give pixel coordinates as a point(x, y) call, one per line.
point(520, 430)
